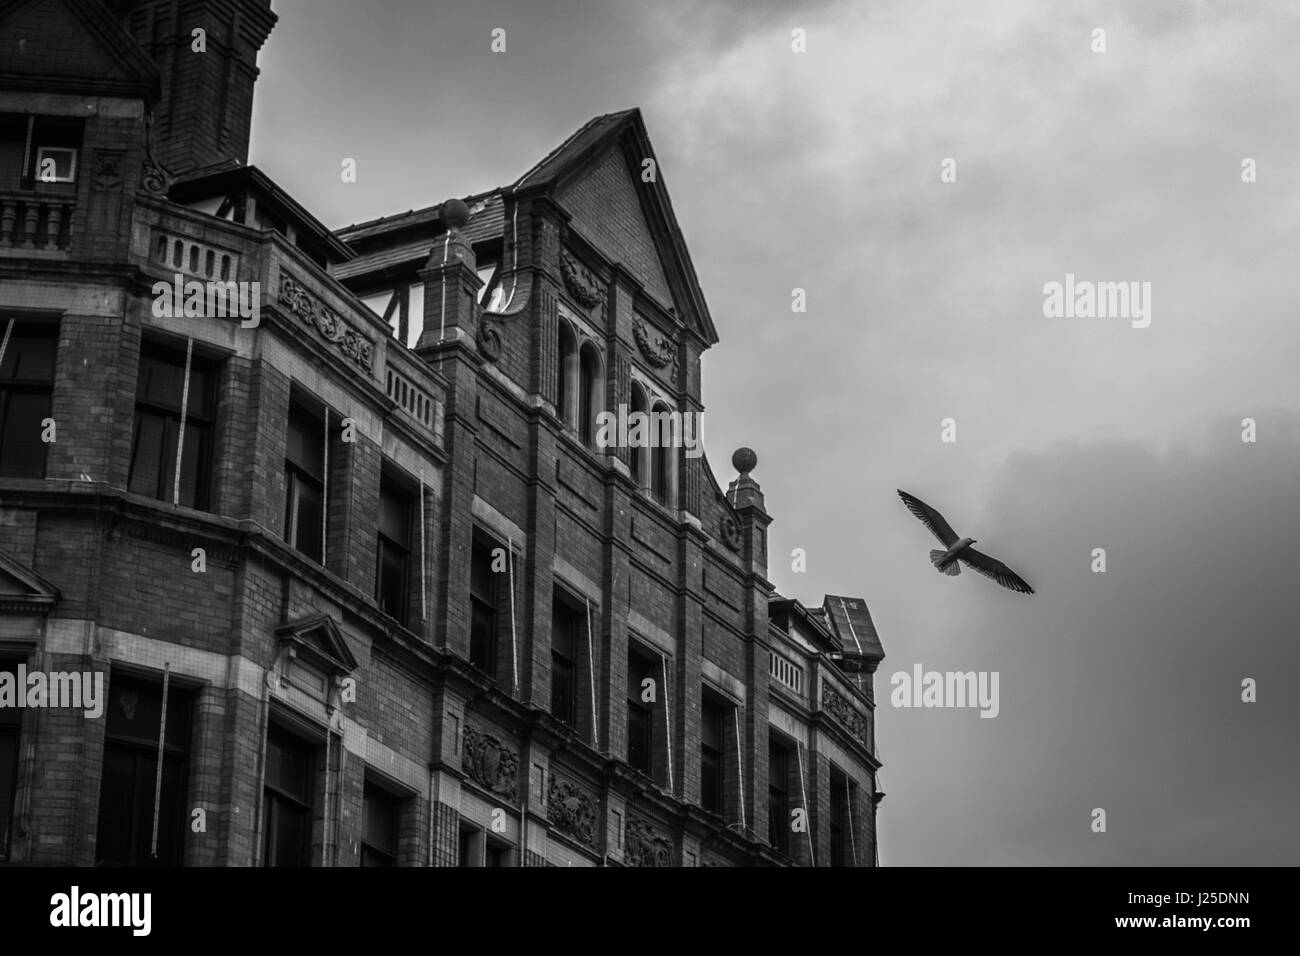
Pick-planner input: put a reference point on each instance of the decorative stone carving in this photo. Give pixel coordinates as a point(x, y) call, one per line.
point(488, 762)
point(645, 846)
point(154, 180)
point(488, 340)
point(582, 285)
point(108, 169)
point(571, 810)
point(326, 322)
point(839, 707)
point(730, 532)
point(657, 349)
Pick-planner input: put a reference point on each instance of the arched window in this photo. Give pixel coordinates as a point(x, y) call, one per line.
point(640, 471)
point(661, 436)
point(565, 369)
point(590, 399)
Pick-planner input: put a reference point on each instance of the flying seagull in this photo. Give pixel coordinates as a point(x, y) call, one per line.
point(959, 549)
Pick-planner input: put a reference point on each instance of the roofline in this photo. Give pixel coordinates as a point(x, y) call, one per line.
point(261, 180)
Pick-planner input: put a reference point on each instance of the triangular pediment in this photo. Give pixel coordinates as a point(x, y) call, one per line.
point(599, 176)
point(71, 46)
point(317, 639)
point(606, 208)
point(22, 590)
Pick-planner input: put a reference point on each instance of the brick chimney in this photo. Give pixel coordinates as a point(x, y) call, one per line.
point(206, 110)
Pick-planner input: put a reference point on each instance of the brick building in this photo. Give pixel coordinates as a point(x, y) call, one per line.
point(354, 563)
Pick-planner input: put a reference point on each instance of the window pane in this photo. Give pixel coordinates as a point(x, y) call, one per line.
point(8, 785)
point(379, 820)
point(639, 729)
point(149, 455)
point(306, 441)
point(482, 652)
point(304, 531)
point(710, 782)
point(194, 474)
point(162, 380)
point(395, 514)
point(29, 357)
point(393, 572)
point(22, 453)
point(288, 833)
point(562, 689)
point(288, 765)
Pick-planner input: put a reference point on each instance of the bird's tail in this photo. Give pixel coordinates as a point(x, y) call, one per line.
point(953, 569)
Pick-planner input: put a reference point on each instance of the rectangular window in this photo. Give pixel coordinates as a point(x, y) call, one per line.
point(39, 151)
point(287, 799)
point(778, 795)
point(839, 818)
point(126, 794)
point(379, 813)
point(483, 600)
point(640, 713)
point(471, 846)
point(393, 575)
point(304, 467)
point(159, 394)
point(567, 624)
point(10, 719)
point(498, 854)
point(26, 393)
point(712, 742)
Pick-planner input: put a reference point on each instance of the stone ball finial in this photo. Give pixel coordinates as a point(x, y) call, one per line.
point(744, 460)
point(454, 213)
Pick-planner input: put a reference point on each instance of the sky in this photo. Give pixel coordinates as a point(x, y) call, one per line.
point(822, 170)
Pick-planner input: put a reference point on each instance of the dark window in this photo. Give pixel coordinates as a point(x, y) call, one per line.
point(305, 481)
point(840, 849)
point(778, 796)
point(160, 390)
point(393, 576)
point(26, 389)
point(498, 854)
point(660, 455)
point(287, 799)
point(712, 736)
point(126, 792)
point(10, 718)
point(379, 811)
point(566, 625)
point(40, 151)
point(640, 714)
point(469, 846)
point(568, 354)
point(588, 395)
point(483, 598)
point(638, 453)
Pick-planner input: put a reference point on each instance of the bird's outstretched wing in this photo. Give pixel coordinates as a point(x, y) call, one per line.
point(995, 569)
point(930, 518)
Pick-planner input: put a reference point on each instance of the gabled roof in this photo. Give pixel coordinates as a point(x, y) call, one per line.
point(559, 169)
point(101, 56)
point(581, 151)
